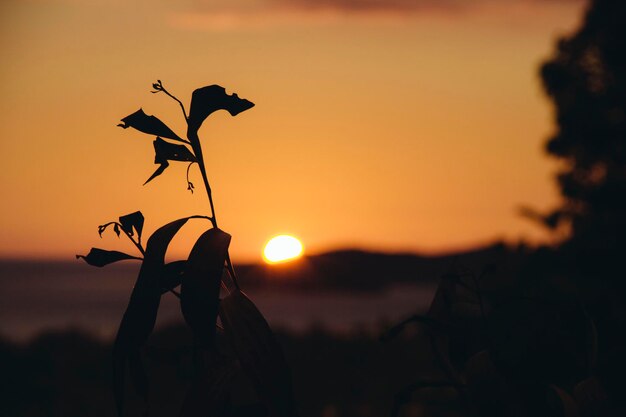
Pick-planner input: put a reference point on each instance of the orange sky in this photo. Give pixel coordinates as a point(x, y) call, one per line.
point(397, 126)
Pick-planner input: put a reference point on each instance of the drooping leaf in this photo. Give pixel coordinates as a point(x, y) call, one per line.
point(148, 124)
point(200, 288)
point(132, 221)
point(116, 229)
point(165, 151)
point(170, 151)
point(207, 100)
point(100, 257)
point(158, 171)
point(140, 315)
point(259, 352)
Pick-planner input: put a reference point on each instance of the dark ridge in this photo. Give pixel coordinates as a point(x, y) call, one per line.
point(358, 270)
point(341, 270)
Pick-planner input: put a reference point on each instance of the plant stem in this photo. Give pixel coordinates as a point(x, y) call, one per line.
point(197, 150)
point(161, 88)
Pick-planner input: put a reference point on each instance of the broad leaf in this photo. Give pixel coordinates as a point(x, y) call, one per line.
point(200, 288)
point(101, 257)
point(140, 315)
point(132, 221)
point(258, 352)
point(148, 124)
point(165, 151)
point(207, 100)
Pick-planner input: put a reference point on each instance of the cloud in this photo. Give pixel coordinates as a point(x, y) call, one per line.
point(252, 14)
point(372, 6)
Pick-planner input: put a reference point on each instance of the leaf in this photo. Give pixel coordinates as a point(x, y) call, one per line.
point(200, 287)
point(158, 172)
point(258, 352)
point(172, 275)
point(101, 257)
point(116, 229)
point(148, 124)
point(207, 100)
point(132, 221)
point(166, 151)
point(140, 315)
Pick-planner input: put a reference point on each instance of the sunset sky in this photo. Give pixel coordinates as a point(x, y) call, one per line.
point(386, 125)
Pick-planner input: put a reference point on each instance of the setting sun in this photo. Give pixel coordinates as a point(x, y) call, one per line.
point(282, 248)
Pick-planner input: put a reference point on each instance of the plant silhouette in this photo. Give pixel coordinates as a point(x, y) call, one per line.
point(253, 349)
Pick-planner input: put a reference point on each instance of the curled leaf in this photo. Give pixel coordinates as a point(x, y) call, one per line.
point(148, 124)
point(207, 100)
point(101, 257)
point(200, 288)
point(132, 221)
point(165, 151)
point(258, 352)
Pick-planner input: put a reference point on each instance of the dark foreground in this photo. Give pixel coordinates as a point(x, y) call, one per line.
point(68, 374)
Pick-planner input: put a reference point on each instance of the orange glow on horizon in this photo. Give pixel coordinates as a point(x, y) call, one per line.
point(420, 136)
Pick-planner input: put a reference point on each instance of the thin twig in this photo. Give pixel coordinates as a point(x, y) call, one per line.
point(158, 86)
point(189, 183)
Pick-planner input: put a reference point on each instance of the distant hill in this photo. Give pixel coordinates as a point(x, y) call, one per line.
point(342, 270)
point(357, 270)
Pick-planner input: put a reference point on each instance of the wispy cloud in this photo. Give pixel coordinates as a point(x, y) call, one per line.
point(235, 14)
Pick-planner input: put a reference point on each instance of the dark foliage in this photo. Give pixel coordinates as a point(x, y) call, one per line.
point(69, 374)
point(505, 354)
point(586, 80)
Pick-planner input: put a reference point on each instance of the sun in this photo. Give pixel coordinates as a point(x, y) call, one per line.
point(282, 248)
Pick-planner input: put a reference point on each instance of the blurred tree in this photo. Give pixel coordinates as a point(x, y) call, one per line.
point(586, 80)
